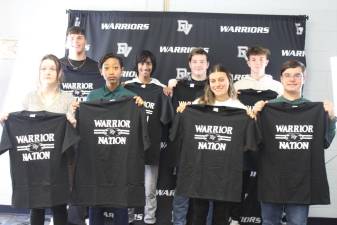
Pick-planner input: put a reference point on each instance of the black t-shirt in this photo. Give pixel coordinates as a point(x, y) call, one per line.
point(36, 142)
point(212, 141)
point(250, 96)
point(79, 82)
point(187, 90)
point(88, 65)
point(291, 164)
point(110, 159)
point(159, 112)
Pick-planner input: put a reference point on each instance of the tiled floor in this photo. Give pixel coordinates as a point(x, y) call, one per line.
point(18, 219)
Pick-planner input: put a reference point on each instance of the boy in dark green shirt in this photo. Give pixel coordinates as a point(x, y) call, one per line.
point(292, 79)
point(111, 67)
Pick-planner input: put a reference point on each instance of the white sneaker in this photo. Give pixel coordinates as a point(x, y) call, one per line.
point(234, 222)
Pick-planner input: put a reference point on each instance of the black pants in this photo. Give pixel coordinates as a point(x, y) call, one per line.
point(59, 215)
point(77, 214)
point(220, 212)
point(247, 185)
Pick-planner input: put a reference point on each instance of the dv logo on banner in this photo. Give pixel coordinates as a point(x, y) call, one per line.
point(171, 36)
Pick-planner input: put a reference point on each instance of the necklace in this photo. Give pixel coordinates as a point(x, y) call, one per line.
point(77, 67)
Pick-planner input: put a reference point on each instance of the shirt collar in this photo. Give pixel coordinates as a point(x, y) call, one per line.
point(136, 80)
point(107, 92)
point(291, 101)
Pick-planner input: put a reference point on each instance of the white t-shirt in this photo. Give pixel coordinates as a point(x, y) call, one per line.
point(153, 81)
point(235, 103)
point(264, 83)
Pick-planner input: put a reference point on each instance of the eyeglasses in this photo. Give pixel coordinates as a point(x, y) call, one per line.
point(295, 76)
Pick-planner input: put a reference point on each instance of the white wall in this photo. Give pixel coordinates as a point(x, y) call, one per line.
point(39, 26)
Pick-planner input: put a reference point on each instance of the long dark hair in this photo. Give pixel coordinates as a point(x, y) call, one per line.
point(209, 98)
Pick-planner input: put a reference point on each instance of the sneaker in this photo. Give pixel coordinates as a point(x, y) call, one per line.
point(234, 222)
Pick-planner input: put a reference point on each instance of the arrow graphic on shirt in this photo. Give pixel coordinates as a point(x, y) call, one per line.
point(293, 136)
point(212, 137)
point(34, 147)
point(111, 131)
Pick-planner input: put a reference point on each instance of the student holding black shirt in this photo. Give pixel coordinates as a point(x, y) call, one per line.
point(292, 169)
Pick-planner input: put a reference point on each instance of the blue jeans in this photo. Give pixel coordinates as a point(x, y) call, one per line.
point(180, 208)
point(210, 213)
point(96, 216)
point(297, 214)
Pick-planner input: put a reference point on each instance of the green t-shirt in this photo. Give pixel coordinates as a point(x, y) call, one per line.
point(294, 102)
point(106, 94)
